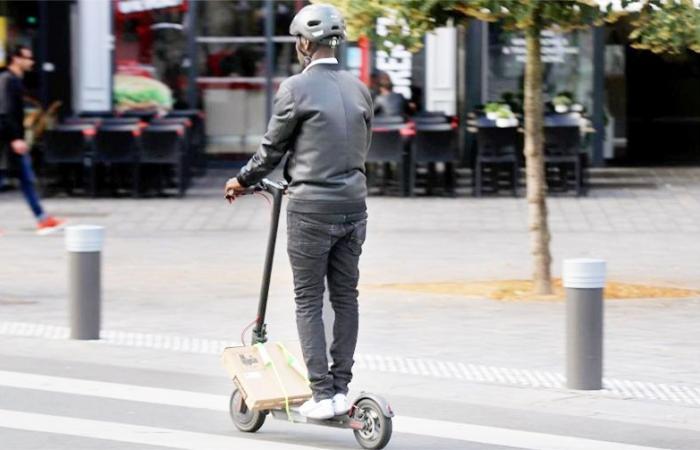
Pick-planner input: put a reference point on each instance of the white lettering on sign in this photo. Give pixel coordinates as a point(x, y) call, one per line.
point(133, 6)
point(396, 63)
point(555, 47)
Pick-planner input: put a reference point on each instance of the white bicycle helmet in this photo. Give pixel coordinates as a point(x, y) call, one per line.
point(319, 23)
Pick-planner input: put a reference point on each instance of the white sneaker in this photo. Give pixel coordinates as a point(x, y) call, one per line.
point(317, 410)
point(340, 404)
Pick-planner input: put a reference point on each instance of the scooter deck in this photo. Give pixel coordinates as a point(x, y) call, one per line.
point(340, 421)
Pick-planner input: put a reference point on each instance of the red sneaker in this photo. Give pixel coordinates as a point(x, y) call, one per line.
point(50, 225)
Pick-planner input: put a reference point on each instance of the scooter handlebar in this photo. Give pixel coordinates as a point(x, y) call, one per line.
point(272, 185)
point(267, 186)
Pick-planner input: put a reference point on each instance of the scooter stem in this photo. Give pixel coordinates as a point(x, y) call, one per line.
point(277, 191)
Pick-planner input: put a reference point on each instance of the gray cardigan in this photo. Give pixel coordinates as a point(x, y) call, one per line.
point(323, 117)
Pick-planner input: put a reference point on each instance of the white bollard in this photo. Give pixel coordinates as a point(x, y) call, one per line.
point(584, 280)
point(84, 246)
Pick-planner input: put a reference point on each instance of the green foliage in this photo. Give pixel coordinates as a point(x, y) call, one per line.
point(667, 27)
point(500, 110)
point(492, 107)
point(534, 15)
point(661, 26)
point(505, 113)
point(561, 99)
point(412, 19)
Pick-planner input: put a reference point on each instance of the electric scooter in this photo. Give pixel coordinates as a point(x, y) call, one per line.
point(369, 416)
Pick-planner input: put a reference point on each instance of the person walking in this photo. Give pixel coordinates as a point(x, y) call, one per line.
point(14, 151)
point(322, 117)
point(389, 103)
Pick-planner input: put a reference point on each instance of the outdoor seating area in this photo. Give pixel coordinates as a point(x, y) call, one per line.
point(100, 152)
point(142, 153)
point(422, 155)
point(403, 153)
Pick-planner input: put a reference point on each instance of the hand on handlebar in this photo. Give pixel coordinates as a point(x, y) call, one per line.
point(233, 189)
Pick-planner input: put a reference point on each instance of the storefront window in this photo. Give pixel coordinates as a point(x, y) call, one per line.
point(568, 64)
point(245, 60)
point(232, 68)
point(150, 43)
point(244, 17)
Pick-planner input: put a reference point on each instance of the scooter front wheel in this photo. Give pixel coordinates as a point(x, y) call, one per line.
point(376, 427)
point(244, 419)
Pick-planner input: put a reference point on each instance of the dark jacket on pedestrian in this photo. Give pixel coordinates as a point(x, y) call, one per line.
point(11, 115)
point(11, 106)
point(323, 117)
point(389, 105)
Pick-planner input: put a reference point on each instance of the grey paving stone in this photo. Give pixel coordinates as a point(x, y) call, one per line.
point(192, 266)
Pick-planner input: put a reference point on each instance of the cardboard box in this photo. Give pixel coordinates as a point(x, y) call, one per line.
point(264, 373)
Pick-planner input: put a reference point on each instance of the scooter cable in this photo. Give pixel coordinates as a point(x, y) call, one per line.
point(269, 202)
point(246, 329)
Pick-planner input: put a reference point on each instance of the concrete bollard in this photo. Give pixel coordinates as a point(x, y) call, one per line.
point(584, 280)
point(84, 246)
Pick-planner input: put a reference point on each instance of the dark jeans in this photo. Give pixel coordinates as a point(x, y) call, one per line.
point(21, 166)
point(320, 247)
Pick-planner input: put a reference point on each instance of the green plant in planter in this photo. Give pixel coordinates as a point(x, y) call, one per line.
point(504, 114)
point(505, 117)
point(492, 107)
point(562, 100)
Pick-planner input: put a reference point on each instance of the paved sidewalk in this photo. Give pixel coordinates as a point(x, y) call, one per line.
point(622, 200)
point(191, 268)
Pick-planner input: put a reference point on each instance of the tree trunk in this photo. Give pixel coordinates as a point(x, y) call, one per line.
point(534, 162)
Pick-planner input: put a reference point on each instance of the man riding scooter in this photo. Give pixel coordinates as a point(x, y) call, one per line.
point(322, 117)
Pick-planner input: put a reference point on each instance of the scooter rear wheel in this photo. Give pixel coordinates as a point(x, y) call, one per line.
point(244, 419)
point(377, 427)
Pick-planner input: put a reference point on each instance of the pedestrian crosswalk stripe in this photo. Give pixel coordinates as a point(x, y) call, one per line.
point(116, 391)
point(427, 367)
point(135, 434)
point(219, 403)
point(505, 436)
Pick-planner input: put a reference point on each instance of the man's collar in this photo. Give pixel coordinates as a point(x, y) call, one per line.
point(320, 61)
